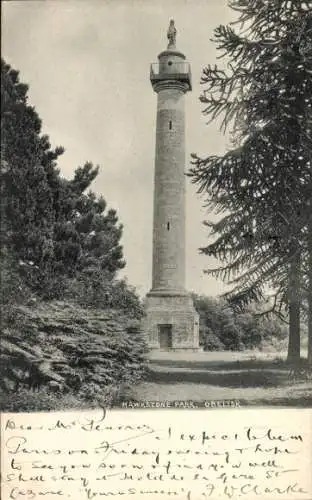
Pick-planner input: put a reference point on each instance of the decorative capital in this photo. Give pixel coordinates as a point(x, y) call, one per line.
point(171, 35)
point(171, 84)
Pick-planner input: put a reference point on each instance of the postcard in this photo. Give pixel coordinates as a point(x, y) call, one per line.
point(156, 249)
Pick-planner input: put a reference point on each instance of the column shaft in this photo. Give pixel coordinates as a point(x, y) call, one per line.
point(169, 192)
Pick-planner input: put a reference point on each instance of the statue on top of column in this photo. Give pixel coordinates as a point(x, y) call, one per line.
point(171, 35)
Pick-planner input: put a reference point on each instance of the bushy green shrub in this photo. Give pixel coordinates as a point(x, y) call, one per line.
point(98, 290)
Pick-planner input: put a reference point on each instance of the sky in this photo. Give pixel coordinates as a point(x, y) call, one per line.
point(87, 66)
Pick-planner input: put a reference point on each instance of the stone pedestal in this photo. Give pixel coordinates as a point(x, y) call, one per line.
point(171, 322)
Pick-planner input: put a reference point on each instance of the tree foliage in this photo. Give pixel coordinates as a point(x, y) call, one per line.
point(86, 236)
point(27, 167)
point(220, 328)
point(55, 232)
point(261, 187)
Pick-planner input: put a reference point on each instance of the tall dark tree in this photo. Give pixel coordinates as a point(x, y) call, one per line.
point(263, 184)
point(53, 229)
point(27, 208)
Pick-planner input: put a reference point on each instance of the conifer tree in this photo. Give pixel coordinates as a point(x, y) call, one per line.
point(87, 235)
point(52, 228)
point(27, 207)
point(263, 185)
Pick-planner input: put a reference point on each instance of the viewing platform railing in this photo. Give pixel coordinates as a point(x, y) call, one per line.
point(171, 70)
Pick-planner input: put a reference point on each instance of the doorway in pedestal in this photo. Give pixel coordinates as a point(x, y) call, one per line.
point(165, 336)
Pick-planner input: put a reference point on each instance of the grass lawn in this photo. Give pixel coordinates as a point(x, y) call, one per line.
point(253, 378)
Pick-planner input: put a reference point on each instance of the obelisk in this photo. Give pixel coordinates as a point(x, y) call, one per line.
point(171, 321)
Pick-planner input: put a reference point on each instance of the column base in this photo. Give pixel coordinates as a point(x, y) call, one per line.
point(171, 322)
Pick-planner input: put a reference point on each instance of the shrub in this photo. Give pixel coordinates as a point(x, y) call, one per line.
point(99, 291)
point(213, 343)
point(220, 328)
point(42, 400)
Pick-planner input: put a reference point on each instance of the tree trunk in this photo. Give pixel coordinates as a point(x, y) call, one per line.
point(310, 292)
point(294, 309)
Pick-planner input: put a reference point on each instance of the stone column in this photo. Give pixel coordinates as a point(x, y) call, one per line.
point(169, 308)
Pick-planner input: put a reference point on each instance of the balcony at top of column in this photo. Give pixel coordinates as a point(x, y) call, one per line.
point(171, 70)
